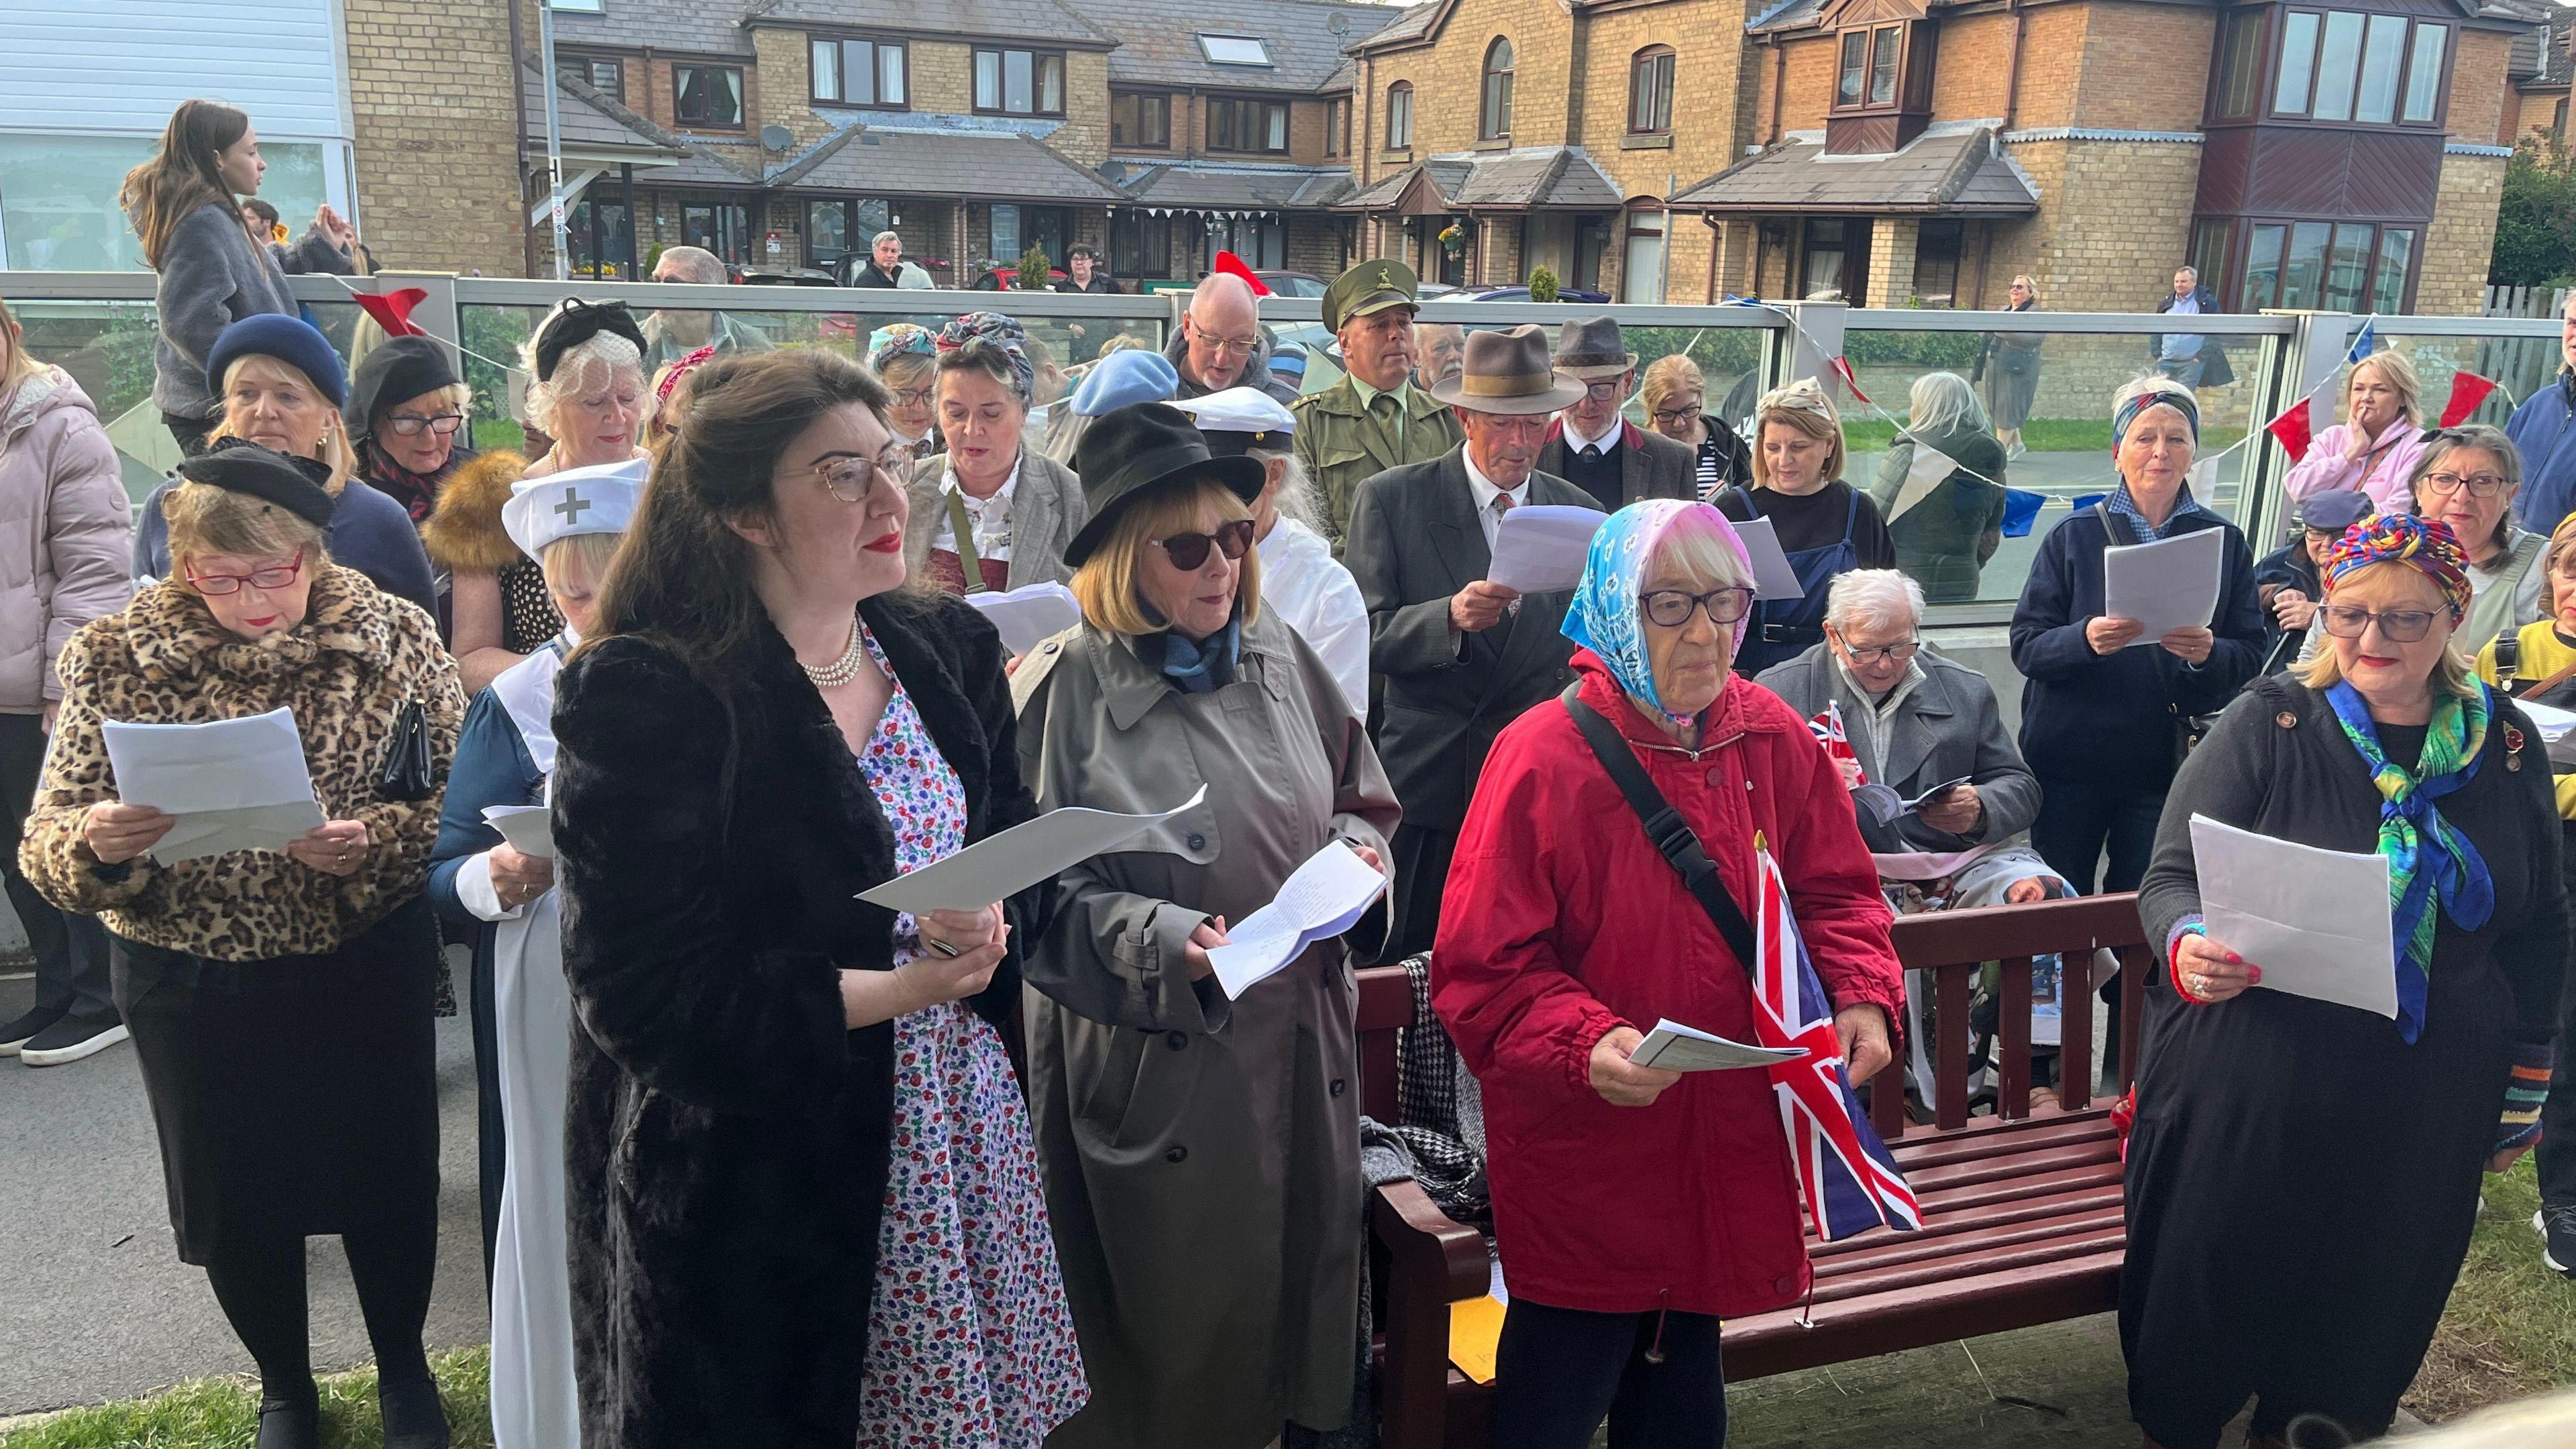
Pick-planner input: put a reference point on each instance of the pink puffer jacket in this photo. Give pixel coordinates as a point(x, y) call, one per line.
point(64, 517)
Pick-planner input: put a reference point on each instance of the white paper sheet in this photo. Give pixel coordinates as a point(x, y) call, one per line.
point(2316, 921)
point(1929, 470)
point(1679, 1048)
point(1029, 616)
point(1772, 576)
point(2166, 585)
point(1539, 548)
point(530, 829)
point(235, 784)
point(999, 866)
point(2557, 730)
point(1882, 804)
point(1928, 865)
point(1320, 900)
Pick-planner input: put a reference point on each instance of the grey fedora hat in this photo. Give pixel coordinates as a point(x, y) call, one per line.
point(1508, 372)
point(1593, 347)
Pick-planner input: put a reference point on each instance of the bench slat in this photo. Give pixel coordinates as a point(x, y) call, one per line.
point(1903, 1249)
point(1776, 1342)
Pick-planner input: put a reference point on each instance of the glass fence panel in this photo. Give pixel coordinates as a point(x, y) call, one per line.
point(2519, 365)
point(2044, 400)
point(1730, 359)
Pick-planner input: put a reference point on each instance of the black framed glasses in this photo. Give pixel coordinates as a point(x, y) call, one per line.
point(406, 425)
point(2479, 485)
point(1188, 551)
point(2397, 626)
point(1603, 387)
point(848, 477)
point(1902, 653)
point(1677, 415)
point(1672, 609)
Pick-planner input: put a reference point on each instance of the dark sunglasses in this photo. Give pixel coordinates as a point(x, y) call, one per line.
point(1188, 551)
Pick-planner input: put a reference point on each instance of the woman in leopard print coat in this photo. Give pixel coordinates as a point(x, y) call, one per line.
point(279, 1000)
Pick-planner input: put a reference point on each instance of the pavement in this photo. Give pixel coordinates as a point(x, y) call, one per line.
point(99, 1305)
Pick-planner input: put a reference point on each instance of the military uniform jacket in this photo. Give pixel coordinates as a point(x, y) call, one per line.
point(1342, 446)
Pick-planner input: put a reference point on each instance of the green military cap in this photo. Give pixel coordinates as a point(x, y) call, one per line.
point(1370, 287)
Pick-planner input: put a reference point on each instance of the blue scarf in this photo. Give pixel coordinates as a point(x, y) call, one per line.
point(1605, 614)
point(1195, 667)
point(2450, 870)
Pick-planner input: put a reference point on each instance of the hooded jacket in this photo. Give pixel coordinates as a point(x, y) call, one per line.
point(1256, 371)
point(63, 521)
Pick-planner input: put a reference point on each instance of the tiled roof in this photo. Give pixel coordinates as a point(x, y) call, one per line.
point(1564, 178)
point(708, 26)
point(1411, 23)
point(1042, 20)
point(1783, 14)
point(1228, 186)
point(2540, 54)
point(1961, 172)
point(1158, 40)
point(592, 121)
point(901, 155)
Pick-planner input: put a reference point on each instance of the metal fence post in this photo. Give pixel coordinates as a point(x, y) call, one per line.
point(1815, 339)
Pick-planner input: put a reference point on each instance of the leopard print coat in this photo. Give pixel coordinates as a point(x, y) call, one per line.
point(345, 671)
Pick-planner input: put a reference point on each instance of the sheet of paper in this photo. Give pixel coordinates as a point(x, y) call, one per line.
point(999, 866)
point(1539, 548)
point(1320, 900)
point(1936, 792)
point(1772, 576)
point(2557, 730)
point(1679, 1048)
point(2166, 585)
point(2316, 921)
point(1475, 1333)
point(1925, 864)
point(530, 829)
point(1929, 470)
point(1029, 616)
point(235, 784)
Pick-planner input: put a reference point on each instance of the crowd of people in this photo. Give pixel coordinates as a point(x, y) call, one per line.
point(763, 1162)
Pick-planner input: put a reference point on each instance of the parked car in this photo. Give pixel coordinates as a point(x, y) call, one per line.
point(789, 277)
point(1007, 279)
point(1293, 284)
point(1521, 294)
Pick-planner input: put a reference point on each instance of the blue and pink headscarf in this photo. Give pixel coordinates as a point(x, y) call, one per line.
point(1606, 615)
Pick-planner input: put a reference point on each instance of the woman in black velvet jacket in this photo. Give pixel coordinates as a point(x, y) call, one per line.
point(744, 1028)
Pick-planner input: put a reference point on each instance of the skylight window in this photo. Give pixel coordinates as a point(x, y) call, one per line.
point(1234, 50)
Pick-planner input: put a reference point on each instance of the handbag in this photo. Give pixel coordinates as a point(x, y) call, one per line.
point(1670, 833)
point(405, 773)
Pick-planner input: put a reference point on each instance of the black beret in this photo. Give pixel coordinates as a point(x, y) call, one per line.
point(577, 323)
point(272, 477)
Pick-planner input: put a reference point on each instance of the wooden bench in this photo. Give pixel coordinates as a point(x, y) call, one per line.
point(2022, 1209)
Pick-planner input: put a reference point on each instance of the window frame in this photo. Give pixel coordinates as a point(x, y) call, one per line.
point(1394, 142)
point(590, 64)
point(1265, 63)
point(2255, 22)
point(1337, 126)
point(1494, 91)
point(741, 96)
point(1909, 68)
point(1138, 97)
point(2322, 25)
point(1260, 109)
point(1039, 62)
point(856, 229)
point(2244, 254)
point(1651, 74)
point(878, 45)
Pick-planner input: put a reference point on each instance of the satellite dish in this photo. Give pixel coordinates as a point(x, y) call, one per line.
point(1339, 25)
point(777, 138)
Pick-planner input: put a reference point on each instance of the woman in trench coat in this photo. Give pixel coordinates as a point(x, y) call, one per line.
point(1201, 1164)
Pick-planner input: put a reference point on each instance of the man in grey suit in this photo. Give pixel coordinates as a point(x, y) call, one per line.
point(1461, 656)
point(1591, 446)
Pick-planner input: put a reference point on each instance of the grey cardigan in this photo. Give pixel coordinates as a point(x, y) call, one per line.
point(1046, 511)
point(1948, 727)
point(211, 277)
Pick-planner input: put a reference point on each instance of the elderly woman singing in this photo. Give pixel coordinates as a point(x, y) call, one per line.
point(2304, 1174)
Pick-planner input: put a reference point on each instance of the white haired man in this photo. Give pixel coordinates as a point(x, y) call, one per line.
point(674, 333)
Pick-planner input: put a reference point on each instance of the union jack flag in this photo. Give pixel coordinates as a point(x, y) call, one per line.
point(1846, 1173)
point(1829, 732)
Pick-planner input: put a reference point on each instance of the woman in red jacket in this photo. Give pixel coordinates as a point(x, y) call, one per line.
point(1634, 1207)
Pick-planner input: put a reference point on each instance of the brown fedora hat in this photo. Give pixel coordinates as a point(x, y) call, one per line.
point(1593, 348)
point(1508, 372)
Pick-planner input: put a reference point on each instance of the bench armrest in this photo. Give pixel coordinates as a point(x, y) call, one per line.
point(1432, 1262)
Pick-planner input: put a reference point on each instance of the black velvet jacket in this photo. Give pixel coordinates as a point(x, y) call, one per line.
point(727, 1137)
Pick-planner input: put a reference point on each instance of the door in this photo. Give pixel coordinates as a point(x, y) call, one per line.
point(1642, 280)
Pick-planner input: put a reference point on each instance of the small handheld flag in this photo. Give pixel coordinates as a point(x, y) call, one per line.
point(1829, 732)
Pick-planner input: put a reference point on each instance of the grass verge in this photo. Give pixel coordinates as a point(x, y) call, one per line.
point(2510, 1328)
point(2040, 435)
point(224, 1413)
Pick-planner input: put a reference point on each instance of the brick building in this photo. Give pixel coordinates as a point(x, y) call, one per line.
point(2299, 157)
point(2544, 60)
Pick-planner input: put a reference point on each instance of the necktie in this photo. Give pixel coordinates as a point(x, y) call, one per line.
point(1502, 505)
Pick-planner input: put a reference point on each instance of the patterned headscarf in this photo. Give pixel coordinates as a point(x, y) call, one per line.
point(1606, 615)
point(993, 329)
point(671, 375)
point(2424, 544)
point(2153, 392)
point(1806, 395)
point(896, 339)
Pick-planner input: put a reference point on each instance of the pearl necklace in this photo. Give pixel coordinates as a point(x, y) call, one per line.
point(842, 670)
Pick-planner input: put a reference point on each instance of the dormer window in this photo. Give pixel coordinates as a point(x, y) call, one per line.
point(1886, 67)
point(1234, 50)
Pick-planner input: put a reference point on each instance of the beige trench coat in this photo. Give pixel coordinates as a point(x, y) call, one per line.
point(1201, 1157)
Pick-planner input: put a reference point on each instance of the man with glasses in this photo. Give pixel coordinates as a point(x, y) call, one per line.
point(1377, 417)
point(1221, 344)
point(1590, 445)
point(2544, 429)
point(1459, 661)
point(672, 334)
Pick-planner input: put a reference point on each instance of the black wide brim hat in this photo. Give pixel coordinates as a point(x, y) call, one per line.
point(1133, 452)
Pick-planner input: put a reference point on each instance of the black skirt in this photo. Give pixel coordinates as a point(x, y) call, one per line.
point(294, 1097)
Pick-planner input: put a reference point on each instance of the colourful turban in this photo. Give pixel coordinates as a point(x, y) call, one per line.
point(2424, 544)
point(2153, 392)
point(896, 339)
point(993, 329)
point(1606, 615)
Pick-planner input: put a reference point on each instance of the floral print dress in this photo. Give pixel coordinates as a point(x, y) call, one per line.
point(970, 1344)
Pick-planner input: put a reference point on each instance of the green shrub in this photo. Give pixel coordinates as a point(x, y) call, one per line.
point(1542, 284)
point(1034, 267)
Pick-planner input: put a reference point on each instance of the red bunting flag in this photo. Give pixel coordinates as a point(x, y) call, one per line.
point(2467, 391)
point(1232, 266)
point(2292, 429)
point(392, 311)
point(1843, 369)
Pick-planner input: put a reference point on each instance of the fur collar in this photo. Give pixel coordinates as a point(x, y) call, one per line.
point(172, 635)
point(464, 531)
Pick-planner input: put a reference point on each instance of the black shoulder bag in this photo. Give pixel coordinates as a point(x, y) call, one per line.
point(404, 775)
point(1664, 826)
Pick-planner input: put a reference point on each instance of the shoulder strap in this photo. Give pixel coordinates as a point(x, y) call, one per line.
point(2544, 686)
point(962, 528)
point(2113, 528)
point(1664, 825)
